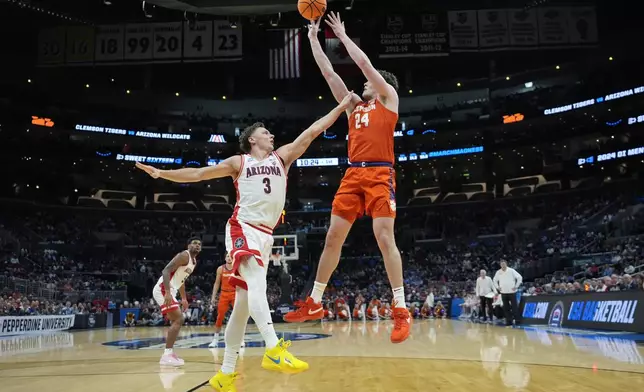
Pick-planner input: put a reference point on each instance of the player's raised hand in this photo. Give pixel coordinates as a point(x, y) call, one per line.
point(346, 101)
point(151, 170)
point(333, 20)
point(314, 29)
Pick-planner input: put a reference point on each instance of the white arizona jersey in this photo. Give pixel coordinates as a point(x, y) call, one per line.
point(261, 191)
point(179, 276)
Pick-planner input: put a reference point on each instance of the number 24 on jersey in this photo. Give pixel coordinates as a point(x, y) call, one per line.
point(362, 120)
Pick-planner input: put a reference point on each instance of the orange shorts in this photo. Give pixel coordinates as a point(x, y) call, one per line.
point(370, 190)
point(226, 301)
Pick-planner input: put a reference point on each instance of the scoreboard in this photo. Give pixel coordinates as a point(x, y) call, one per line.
point(140, 43)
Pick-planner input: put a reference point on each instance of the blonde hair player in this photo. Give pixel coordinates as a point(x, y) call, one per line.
point(369, 185)
point(260, 180)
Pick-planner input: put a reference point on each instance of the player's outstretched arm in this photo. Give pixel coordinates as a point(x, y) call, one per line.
point(381, 86)
point(338, 88)
point(290, 152)
point(229, 167)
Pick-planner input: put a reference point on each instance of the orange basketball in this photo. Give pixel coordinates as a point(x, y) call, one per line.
point(311, 9)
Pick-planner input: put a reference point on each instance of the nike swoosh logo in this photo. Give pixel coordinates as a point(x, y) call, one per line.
point(275, 361)
point(316, 311)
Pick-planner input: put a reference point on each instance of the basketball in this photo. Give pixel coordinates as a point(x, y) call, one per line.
point(311, 9)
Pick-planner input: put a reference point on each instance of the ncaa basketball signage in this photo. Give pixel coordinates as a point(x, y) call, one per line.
point(140, 43)
point(617, 311)
point(202, 340)
point(414, 36)
point(20, 325)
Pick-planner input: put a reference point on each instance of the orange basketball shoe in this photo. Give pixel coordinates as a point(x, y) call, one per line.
point(305, 311)
point(402, 325)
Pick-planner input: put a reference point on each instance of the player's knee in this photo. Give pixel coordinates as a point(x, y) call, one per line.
point(334, 238)
point(385, 238)
point(178, 321)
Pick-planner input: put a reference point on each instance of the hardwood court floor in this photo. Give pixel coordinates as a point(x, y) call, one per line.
point(442, 355)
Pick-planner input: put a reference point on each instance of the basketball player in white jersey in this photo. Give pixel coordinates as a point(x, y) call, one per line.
point(173, 279)
point(259, 176)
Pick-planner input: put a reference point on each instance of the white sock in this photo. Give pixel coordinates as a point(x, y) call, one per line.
point(230, 359)
point(216, 338)
point(255, 277)
point(167, 351)
point(318, 292)
point(399, 298)
point(235, 331)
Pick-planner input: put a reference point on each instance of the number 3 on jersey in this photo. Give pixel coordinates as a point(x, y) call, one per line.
point(362, 118)
point(267, 185)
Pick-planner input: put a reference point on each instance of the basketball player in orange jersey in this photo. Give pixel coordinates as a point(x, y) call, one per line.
point(369, 184)
point(227, 297)
point(259, 176)
point(173, 280)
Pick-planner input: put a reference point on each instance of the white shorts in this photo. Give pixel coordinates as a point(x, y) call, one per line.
point(159, 296)
point(243, 239)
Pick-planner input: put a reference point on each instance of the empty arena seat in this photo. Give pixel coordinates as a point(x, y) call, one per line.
point(167, 197)
point(85, 201)
point(209, 200)
point(220, 207)
point(480, 196)
point(467, 193)
point(158, 206)
point(214, 198)
point(520, 191)
point(548, 187)
point(522, 186)
point(425, 196)
point(422, 201)
point(181, 206)
point(455, 198)
point(119, 204)
point(169, 200)
point(427, 191)
point(109, 198)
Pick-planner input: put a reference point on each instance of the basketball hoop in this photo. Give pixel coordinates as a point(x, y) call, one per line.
point(277, 259)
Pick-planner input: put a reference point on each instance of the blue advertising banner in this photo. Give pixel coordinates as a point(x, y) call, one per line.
point(615, 311)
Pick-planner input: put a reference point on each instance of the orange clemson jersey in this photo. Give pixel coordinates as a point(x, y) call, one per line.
point(371, 133)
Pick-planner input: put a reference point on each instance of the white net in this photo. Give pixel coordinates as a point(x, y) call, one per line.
point(276, 255)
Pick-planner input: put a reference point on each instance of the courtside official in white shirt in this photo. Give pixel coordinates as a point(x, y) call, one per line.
point(507, 281)
point(485, 290)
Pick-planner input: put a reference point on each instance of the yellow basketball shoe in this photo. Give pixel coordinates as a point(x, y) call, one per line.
point(278, 359)
point(223, 382)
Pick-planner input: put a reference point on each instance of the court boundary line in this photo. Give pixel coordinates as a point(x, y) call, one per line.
point(203, 384)
point(326, 356)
